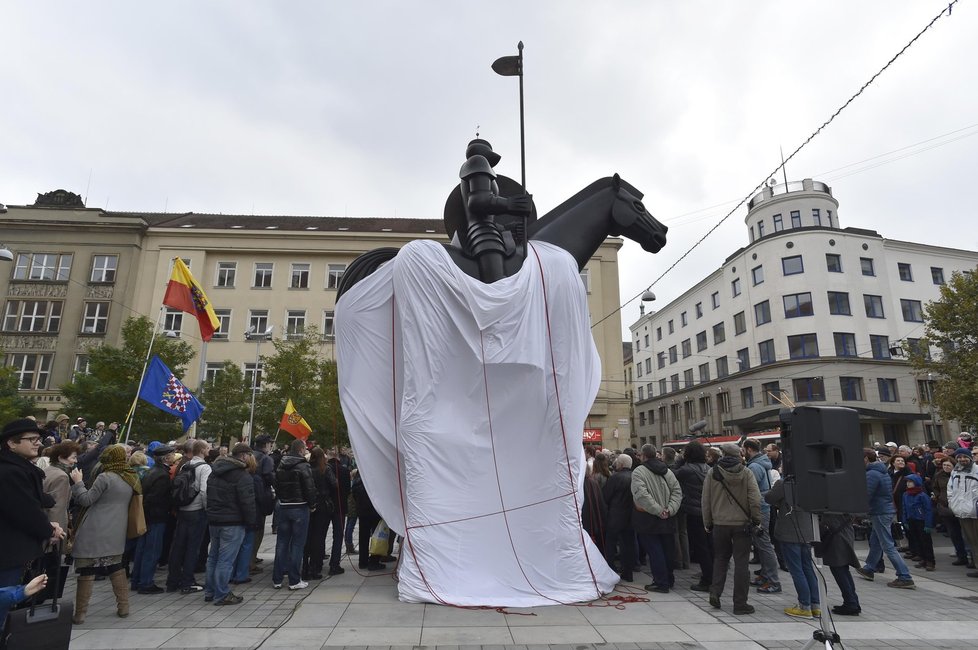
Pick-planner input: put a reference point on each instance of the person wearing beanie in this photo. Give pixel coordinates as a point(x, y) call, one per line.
point(962, 495)
point(231, 510)
point(919, 517)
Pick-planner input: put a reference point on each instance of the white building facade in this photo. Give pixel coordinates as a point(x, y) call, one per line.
point(808, 311)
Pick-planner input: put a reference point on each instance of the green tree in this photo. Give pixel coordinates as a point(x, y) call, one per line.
point(107, 391)
point(13, 405)
point(952, 327)
point(227, 399)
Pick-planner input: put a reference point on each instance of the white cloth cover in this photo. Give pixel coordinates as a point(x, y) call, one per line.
point(483, 457)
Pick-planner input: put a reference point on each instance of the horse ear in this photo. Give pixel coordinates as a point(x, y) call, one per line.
point(616, 180)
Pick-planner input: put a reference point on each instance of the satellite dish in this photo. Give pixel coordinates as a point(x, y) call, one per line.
point(698, 426)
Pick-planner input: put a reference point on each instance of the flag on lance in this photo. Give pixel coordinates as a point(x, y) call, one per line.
point(162, 389)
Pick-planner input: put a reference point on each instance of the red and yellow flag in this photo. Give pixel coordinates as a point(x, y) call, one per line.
point(294, 423)
point(184, 293)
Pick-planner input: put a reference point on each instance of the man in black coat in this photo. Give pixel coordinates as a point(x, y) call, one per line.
point(230, 510)
point(340, 489)
point(297, 497)
point(620, 534)
point(266, 500)
point(156, 508)
point(24, 527)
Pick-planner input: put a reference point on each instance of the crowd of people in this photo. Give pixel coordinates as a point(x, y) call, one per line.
point(70, 494)
point(709, 506)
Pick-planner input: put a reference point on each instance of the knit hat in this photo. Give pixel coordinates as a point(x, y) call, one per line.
point(730, 449)
point(241, 448)
point(61, 418)
point(962, 451)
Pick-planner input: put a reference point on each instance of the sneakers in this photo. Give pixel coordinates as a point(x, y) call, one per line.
point(863, 573)
point(758, 580)
point(816, 612)
point(276, 585)
point(797, 611)
point(302, 584)
point(768, 588)
point(192, 589)
point(743, 610)
point(900, 583)
point(715, 602)
point(230, 599)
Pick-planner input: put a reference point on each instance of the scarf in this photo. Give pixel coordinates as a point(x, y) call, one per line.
point(113, 459)
point(913, 489)
point(64, 468)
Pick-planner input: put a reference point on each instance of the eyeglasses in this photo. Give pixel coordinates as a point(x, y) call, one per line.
point(31, 439)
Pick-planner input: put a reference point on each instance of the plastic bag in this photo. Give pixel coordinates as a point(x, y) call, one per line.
point(380, 539)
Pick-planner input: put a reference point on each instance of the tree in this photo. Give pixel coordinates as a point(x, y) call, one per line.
point(227, 401)
point(107, 391)
point(952, 327)
point(13, 405)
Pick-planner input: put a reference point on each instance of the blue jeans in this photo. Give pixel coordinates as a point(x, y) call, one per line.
point(798, 557)
point(225, 545)
point(293, 526)
point(881, 542)
point(147, 556)
point(185, 548)
point(242, 565)
point(351, 523)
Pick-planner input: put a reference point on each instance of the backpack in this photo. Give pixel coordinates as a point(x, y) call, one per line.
point(182, 490)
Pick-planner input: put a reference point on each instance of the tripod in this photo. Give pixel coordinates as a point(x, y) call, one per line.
point(822, 637)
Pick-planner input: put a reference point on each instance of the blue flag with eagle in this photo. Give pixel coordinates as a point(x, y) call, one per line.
point(162, 389)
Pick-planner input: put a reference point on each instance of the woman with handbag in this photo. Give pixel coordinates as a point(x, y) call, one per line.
point(101, 531)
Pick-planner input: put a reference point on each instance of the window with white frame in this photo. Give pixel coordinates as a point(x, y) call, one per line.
point(173, 322)
point(224, 318)
point(33, 370)
point(81, 365)
point(226, 274)
point(96, 318)
point(53, 267)
point(295, 323)
point(212, 370)
point(328, 333)
point(258, 320)
point(300, 276)
point(263, 275)
point(586, 279)
point(334, 273)
point(253, 378)
point(104, 268)
point(33, 316)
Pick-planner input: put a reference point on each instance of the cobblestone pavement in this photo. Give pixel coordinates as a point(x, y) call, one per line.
point(362, 611)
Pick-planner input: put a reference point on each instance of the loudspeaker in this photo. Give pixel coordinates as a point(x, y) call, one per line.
point(822, 457)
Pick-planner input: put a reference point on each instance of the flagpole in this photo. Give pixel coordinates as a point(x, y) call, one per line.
point(142, 376)
point(526, 233)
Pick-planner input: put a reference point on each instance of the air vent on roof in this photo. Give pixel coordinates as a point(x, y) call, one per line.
point(236, 226)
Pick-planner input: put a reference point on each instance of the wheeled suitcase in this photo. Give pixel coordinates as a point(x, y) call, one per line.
point(41, 627)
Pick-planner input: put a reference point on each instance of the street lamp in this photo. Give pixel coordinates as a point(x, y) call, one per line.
point(257, 337)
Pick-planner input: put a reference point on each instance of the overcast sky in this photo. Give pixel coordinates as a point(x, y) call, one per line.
point(364, 109)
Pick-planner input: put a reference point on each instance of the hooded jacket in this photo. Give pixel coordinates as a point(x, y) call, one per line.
point(156, 493)
point(654, 489)
point(719, 507)
point(794, 525)
point(962, 492)
point(917, 506)
point(230, 494)
point(879, 489)
point(293, 482)
point(760, 466)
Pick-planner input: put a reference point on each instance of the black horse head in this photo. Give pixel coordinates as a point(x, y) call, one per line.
point(631, 219)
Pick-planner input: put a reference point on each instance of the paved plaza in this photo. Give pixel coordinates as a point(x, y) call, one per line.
point(357, 610)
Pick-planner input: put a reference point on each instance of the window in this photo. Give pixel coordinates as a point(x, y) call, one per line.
point(688, 378)
point(658, 333)
point(874, 306)
point(586, 280)
point(300, 276)
point(743, 359)
point(672, 328)
point(253, 375)
point(334, 273)
point(683, 320)
point(33, 370)
point(706, 406)
point(757, 274)
point(43, 266)
point(641, 414)
point(747, 397)
point(674, 381)
point(760, 228)
point(224, 318)
point(816, 216)
point(740, 323)
point(803, 346)
point(866, 264)
point(687, 348)
point(888, 390)
point(925, 391)
point(809, 389)
point(792, 265)
point(752, 234)
point(81, 365)
point(263, 275)
point(688, 409)
point(173, 322)
point(797, 305)
point(765, 351)
point(906, 273)
point(778, 223)
point(33, 316)
point(638, 369)
point(704, 369)
point(104, 268)
point(762, 312)
point(937, 275)
point(701, 341)
point(258, 321)
point(833, 263)
point(845, 344)
point(839, 303)
point(723, 402)
point(795, 219)
point(914, 348)
point(912, 311)
point(673, 356)
point(646, 340)
point(641, 396)
point(722, 370)
point(96, 318)
point(212, 370)
point(648, 366)
point(828, 214)
point(715, 299)
point(226, 272)
point(699, 310)
point(852, 389)
point(769, 391)
point(880, 345)
point(660, 360)
point(295, 323)
point(735, 287)
point(663, 387)
point(719, 335)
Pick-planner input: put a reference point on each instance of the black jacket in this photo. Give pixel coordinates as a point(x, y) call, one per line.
point(23, 525)
point(230, 494)
point(691, 477)
point(325, 490)
point(264, 486)
point(365, 507)
point(618, 495)
point(341, 490)
point(156, 494)
point(293, 482)
point(88, 460)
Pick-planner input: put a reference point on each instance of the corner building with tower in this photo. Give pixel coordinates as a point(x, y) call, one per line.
point(809, 311)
